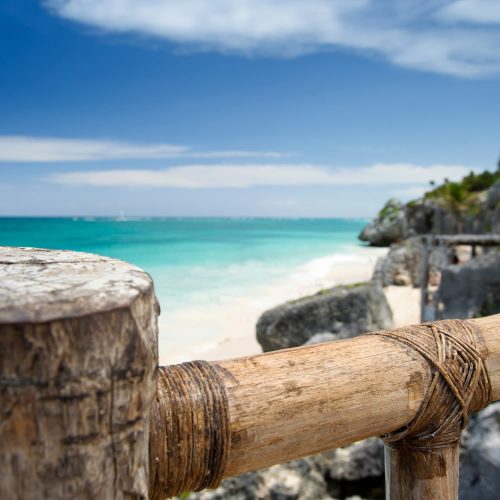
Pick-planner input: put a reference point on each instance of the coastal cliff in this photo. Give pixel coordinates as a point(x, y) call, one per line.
point(465, 280)
point(469, 206)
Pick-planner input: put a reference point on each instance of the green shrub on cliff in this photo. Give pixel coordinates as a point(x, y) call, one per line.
point(391, 209)
point(464, 196)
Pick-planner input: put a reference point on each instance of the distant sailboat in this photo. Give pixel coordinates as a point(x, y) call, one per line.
point(121, 217)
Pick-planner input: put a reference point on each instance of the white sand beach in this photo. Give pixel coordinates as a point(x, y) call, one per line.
point(232, 321)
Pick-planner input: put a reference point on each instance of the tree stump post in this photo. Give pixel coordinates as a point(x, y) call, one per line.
point(78, 357)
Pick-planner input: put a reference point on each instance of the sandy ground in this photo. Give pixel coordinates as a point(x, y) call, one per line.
point(404, 302)
point(233, 320)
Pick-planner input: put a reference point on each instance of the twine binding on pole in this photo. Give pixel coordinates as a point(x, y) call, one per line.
point(460, 382)
point(190, 435)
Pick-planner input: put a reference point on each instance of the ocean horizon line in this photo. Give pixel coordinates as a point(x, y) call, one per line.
point(183, 217)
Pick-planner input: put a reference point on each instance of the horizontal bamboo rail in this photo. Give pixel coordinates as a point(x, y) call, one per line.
point(296, 402)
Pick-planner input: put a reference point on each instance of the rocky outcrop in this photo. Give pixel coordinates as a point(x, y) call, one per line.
point(319, 338)
point(356, 470)
point(432, 217)
point(344, 473)
point(491, 214)
point(298, 480)
point(402, 264)
point(480, 456)
point(388, 227)
point(344, 311)
point(438, 212)
point(471, 289)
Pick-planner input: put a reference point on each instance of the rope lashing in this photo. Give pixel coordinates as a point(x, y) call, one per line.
point(460, 382)
point(190, 435)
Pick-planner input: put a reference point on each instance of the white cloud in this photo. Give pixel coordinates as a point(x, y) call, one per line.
point(411, 192)
point(50, 149)
point(237, 154)
point(414, 33)
point(472, 11)
point(245, 176)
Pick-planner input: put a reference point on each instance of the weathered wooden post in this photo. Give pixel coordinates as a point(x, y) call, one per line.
point(78, 357)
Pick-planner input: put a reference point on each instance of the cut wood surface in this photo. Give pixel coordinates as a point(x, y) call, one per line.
point(78, 357)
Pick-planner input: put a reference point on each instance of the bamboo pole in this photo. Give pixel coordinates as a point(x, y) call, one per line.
point(296, 402)
point(434, 475)
point(421, 476)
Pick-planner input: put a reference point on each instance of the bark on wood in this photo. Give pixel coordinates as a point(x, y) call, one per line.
point(296, 402)
point(78, 352)
point(412, 475)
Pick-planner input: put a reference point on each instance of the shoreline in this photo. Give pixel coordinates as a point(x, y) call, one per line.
point(232, 321)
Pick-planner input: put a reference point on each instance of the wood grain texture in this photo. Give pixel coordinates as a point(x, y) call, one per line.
point(489, 329)
point(78, 356)
point(412, 475)
point(296, 402)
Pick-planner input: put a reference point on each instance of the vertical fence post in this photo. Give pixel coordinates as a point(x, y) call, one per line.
point(78, 357)
point(412, 475)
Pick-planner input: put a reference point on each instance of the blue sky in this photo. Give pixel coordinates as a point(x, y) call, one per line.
point(242, 107)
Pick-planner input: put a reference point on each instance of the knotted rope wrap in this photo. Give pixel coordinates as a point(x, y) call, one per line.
point(190, 435)
point(460, 383)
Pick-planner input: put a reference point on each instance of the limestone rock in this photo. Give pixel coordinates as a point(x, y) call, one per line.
point(480, 458)
point(491, 213)
point(298, 480)
point(471, 289)
point(355, 471)
point(344, 311)
point(493, 197)
point(319, 338)
point(388, 227)
point(397, 222)
point(431, 217)
point(360, 460)
point(402, 264)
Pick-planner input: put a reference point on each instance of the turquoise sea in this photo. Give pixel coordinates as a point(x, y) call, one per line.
point(195, 262)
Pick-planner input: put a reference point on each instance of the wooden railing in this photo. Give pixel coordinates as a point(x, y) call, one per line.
point(85, 413)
